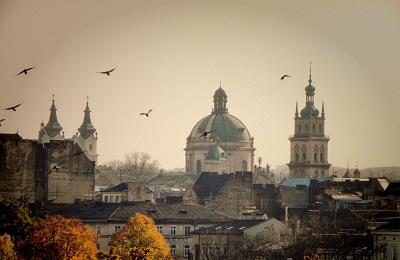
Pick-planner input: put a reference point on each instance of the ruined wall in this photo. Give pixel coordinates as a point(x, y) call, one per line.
point(26, 168)
point(17, 168)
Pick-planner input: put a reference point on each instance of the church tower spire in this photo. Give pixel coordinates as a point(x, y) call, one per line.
point(87, 129)
point(87, 138)
point(53, 128)
point(309, 145)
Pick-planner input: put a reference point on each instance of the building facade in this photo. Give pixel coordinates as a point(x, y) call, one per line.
point(219, 142)
point(309, 144)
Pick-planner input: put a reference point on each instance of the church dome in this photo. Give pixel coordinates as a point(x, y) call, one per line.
point(223, 126)
point(226, 127)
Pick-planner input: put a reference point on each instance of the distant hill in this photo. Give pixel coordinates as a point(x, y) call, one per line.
point(391, 172)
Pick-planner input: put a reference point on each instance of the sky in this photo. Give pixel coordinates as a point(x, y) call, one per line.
point(171, 56)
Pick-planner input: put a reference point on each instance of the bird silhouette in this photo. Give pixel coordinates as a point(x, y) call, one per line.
point(25, 71)
point(107, 71)
point(78, 153)
point(146, 114)
point(284, 76)
point(206, 133)
point(57, 166)
point(1, 120)
point(13, 107)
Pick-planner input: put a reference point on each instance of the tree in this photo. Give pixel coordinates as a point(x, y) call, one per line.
point(15, 218)
point(138, 239)
point(57, 237)
point(7, 251)
point(135, 167)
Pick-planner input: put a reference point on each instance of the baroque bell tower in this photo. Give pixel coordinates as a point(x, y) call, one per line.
point(309, 145)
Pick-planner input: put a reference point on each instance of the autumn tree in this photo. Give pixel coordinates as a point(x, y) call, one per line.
point(138, 239)
point(7, 250)
point(15, 218)
point(57, 237)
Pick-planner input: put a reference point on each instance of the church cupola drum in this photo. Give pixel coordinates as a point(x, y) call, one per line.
point(309, 144)
point(223, 132)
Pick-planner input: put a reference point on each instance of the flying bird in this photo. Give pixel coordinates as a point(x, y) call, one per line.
point(1, 120)
point(107, 71)
point(206, 133)
point(284, 76)
point(13, 107)
point(57, 166)
point(78, 153)
point(146, 114)
point(25, 71)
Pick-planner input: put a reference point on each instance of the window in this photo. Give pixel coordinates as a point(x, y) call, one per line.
point(173, 231)
point(201, 226)
point(304, 157)
point(105, 198)
point(117, 198)
point(244, 166)
point(172, 249)
point(90, 147)
point(159, 229)
point(198, 167)
point(112, 198)
point(116, 228)
point(187, 230)
point(98, 229)
point(186, 250)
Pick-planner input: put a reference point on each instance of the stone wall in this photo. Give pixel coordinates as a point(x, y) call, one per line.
point(26, 170)
point(234, 196)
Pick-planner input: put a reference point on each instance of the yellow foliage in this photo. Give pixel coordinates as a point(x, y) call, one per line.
point(7, 251)
point(139, 239)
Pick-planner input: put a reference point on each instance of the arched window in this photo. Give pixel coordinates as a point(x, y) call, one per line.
point(299, 128)
point(322, 153)
point(315, 174)
point(320, 128)
point(244, 166)
point(198, 167)
point(315, 153)
point(322, 174)
point(297, 152)
point(90, 147)
point(306, 128)
point(313, 128)
point(304, 152)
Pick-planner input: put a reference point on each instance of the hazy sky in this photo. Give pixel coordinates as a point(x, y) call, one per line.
point(172, 55)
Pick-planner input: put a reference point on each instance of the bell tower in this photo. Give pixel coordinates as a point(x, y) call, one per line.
point(87, 138)
point(309, 145)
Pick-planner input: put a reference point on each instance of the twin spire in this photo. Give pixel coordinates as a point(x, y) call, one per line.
point(53, 127)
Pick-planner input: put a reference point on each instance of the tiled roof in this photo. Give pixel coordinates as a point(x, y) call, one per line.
point(294, 182)
point(235, 227)
point(120, 187)
point(123, 211)
point(162, 179)
point(96, 210)
point(161, 212)
point(209, 184)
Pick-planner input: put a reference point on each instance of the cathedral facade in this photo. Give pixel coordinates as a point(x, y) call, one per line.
point(219, 142)
point(309, 144)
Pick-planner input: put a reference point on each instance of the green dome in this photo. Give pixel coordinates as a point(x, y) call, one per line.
point(227, 128)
